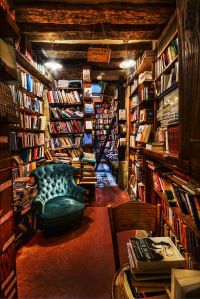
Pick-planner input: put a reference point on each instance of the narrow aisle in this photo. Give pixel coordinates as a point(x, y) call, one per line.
point(76, 265)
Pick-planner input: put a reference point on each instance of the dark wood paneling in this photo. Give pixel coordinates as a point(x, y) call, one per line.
point(114, 13)
point(188, 12)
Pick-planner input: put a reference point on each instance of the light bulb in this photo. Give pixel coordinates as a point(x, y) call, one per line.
point(53, 65)
point(126, 64)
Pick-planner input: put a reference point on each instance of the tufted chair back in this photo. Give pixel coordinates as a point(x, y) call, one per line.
point(55, 180)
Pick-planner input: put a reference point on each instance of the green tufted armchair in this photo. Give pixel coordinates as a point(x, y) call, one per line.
point(59, 201)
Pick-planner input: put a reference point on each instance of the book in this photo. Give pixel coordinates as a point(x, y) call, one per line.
point(155, 253)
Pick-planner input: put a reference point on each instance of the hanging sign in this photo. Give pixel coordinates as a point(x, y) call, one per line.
point(99, 55)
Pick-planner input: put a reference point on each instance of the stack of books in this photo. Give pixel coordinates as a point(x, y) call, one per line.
point(61, 158)
point(24, 190)
point(151, 260)
point(88, 173)
point(66, 113)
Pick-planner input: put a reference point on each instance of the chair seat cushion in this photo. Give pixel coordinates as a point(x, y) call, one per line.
point(61, 209)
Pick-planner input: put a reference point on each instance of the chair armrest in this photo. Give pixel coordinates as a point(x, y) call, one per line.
point(38, 205)
point(79, 193)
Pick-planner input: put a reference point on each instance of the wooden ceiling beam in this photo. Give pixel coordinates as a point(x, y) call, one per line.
point(84, 47)
point(115, 13)
point(51, 27)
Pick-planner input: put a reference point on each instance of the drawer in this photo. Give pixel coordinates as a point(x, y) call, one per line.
point(7, 233)
point(7, 262)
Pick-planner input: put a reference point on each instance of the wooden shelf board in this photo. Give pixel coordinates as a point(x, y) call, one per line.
point(62, 133)
point(146, 122)
point(167, 91)
point(174, 161)
point(185, 218)
point(25, 63)
point(66, 119)
point(8, 27)
point(167, 69)
point(145, 65)
point(29, 93)
point(65, 104)
point(28, 111)
point(26, 129)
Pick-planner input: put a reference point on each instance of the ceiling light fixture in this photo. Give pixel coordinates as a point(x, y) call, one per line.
point(53, 65)
point(128, 62)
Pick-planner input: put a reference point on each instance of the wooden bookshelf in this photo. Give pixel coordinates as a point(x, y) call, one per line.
point(28, 111)
point(187, 219)
point(13, 128)
point(167, 69)
point(8, 27)
point(25, 63)
point(28, 93)
point(145, 65)
point(167, 91)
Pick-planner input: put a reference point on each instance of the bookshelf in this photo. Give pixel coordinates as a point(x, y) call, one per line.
point(66, 123)
point(141, 121)
point(180, 220)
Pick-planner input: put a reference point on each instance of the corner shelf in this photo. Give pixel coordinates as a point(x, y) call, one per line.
point(25, 63)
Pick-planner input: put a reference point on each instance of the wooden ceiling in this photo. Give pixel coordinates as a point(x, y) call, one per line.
point(65, 29)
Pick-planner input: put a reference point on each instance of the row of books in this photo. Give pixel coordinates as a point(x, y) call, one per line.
point(147, 56)
point(103, 115)
point(185, 240)
point(169, 138)
point(23, 186)
point(167, 57)
point(62, 96)
point(72, 126)
point(134, 85)
point(29, 83)
point(167, 80)
point(102, 126)
point(25, 101)
point(179, 196)
point(104, 121)
point(21, 169)
point(66, 142)
point(29, 155)
point(28, 121)
point(168, 110)
point(147, 93)
point(21, 140)
point(66, 113)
